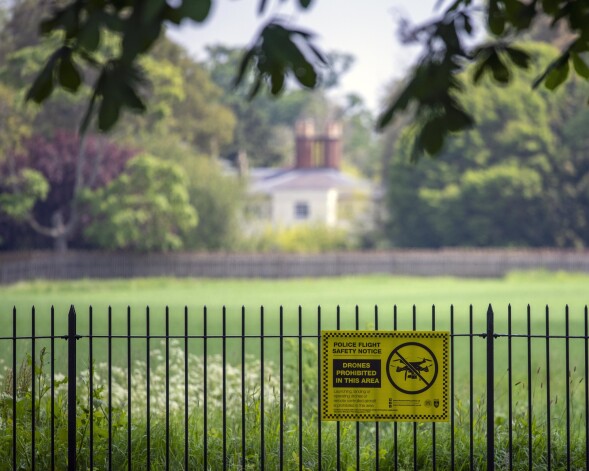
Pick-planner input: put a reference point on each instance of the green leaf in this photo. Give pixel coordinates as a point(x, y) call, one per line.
point(305, 74)
point(580, 66)
point(498, 69)
point(68, 74)
point(197, 10)
point(305, 3)
point(397, 106)
point(557, 76)
point(135, 43)
point(480, 69)
point(151, 10)
point(432, 136)
point(131, 99)
point(550, 6)
point(519, 57)
point(108, 113)
point(49, 25)
point(457, 119)
point(277, 82)
point(496, 23)
point(43, 85)
point(89, 36)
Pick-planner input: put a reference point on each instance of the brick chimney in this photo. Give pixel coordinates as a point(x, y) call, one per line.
point(305, 136)
point(332, 146)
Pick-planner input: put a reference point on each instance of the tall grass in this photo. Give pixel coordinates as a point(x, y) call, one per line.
point(284, 418)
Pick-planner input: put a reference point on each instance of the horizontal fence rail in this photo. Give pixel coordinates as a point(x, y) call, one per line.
point(21, 266)
point(240, 390)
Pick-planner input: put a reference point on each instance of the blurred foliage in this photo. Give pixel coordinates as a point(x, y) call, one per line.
point(20, 192)
point(283, 53)
point(304, 238)
point(146, 208)
point(518, 179)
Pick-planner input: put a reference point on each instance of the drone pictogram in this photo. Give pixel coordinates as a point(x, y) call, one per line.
point(418, 365)
point(413, 368)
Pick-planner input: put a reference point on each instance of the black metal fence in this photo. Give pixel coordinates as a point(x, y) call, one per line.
point(201, 390)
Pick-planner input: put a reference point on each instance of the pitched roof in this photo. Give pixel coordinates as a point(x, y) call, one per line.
point(322, 179)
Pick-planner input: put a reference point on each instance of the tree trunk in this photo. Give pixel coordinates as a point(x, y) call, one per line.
point(60, 238)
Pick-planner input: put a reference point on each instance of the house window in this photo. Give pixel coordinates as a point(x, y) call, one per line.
point(301, 210)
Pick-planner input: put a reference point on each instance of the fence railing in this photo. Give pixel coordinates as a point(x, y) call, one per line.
point(240, 390)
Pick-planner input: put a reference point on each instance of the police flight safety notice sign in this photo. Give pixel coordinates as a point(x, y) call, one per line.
point(385, 376)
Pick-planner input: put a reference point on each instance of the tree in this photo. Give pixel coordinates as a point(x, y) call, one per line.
point(146, 208)
point(281, 51)
point(518, 178)
point(51, 172)
point(44, 201)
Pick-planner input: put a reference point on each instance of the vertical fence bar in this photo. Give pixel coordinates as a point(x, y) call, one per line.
point(548, 408)
point(510, 388)
point(433, 423)
point(490, 389)
point(109, 388)
point(33, 375)
point(14, 388)
point(186, 411)
point(129, 398)
point(471, 389)
point(376, 424)
point(395, 425)
point(224, 398)
point(300, 381)
point(281, 387)
point(568, 387)
point(530, 410)
point(452, 423)
point(357, 316)
point(167, 344)
point(91, 383)
point(414, 423)
point(586, 388)
point(243, 435)
point(52, 360)
point(205, 392)
point(148, 388)
point(71, 390)
point(262, 412)
point(337, 424)
point(319, 441)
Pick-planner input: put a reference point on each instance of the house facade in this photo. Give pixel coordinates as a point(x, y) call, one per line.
point(315, 190)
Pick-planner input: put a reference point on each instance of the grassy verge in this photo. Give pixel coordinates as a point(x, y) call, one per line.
point(273, 426)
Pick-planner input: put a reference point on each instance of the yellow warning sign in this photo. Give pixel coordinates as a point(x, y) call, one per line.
point(385, 375)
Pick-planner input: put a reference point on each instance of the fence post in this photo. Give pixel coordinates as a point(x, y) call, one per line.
point(71, 390)
point(490, 390)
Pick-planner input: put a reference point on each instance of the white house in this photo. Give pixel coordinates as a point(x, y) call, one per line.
point(315, 190)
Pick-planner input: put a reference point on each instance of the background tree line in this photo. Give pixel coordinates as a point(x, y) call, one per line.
point(155, 182)
point(519, 178)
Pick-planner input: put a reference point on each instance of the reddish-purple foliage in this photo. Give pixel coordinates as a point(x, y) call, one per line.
point(56, 159)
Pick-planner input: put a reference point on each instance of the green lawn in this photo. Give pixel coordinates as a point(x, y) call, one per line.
point(518, 289)
point(536, 288)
